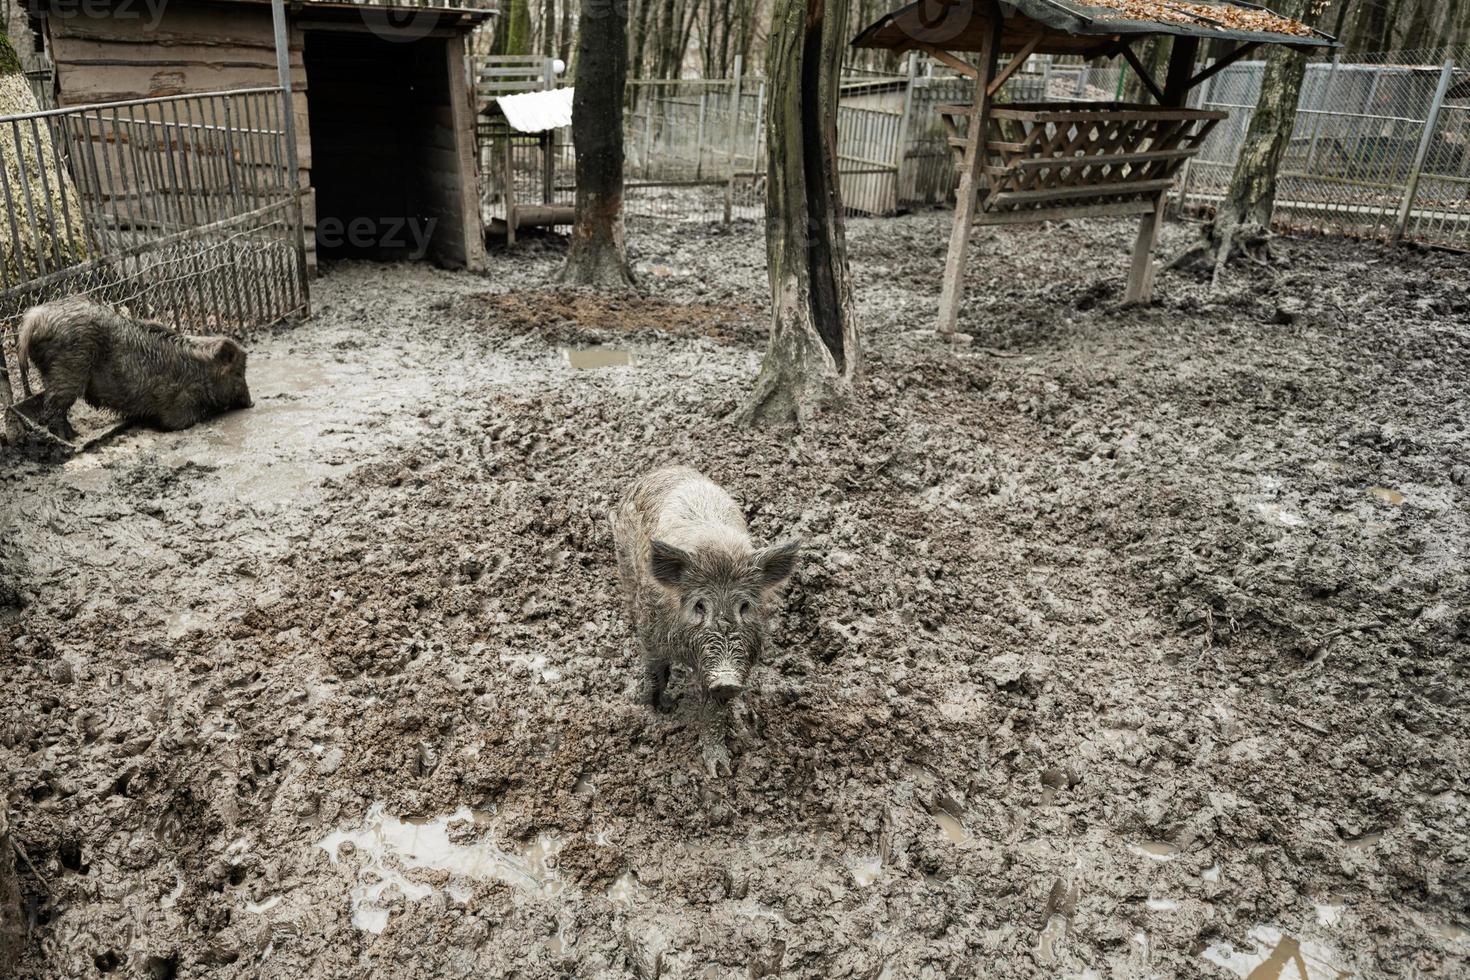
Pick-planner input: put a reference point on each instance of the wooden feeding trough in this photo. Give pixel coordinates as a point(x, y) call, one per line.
point(1041, 161)
point(525, 124)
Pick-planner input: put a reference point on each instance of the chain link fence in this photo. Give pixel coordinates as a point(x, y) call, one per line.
point(1379, 150)
point(180, 209)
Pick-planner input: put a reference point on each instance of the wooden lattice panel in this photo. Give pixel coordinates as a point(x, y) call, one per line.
point(1050, 160)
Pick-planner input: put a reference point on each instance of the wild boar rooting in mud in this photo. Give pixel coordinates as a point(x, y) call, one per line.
point(698, 591)
point(141, 370)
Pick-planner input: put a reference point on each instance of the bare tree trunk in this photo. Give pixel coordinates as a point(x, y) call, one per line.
point(26, 156)
point(1243, 219)
point(513, 35)
point(12, 925)
point(814, 354)
point(598, 255)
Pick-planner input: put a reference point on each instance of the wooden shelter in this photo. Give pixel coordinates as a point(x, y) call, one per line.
point(1053, 160)
point(384, 108)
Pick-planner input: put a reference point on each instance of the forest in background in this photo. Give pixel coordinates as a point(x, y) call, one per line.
point(701, 38)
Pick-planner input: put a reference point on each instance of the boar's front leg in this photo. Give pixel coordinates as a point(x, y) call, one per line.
point(655, 679)
point(713, 736)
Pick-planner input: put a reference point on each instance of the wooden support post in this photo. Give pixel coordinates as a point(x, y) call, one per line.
point(972, 166)
point(509, 184)
point(1176, 92)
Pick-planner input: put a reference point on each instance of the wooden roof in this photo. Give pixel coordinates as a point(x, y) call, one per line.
point(1085, 27)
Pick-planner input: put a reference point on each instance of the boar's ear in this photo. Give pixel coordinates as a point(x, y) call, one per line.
point(668, 563)
point(226, 352)
point(775, 564)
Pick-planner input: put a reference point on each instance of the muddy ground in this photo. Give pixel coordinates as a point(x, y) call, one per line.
point(1129, 642)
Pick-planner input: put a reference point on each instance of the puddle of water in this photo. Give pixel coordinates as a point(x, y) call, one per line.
point(627, 890)
point(1363, 843)
point(1161, 905)
point(1211, 874)
point(1280, 515)
point(866, 870)
point(952, 827)
point(1277, 956)
point(1449, 931)
point(1328, 914)
point(1388, 496)
point(1155, 850)
point(181, 622)
point(172, 898)
point(261, 908)
point(384, 842)
point(1055, 932)
point(751, 909)
point(597, 357)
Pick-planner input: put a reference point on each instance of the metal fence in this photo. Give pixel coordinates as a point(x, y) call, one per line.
point(1378, 150)
point(694, 149)
point(1381, 147)
point(181, 209)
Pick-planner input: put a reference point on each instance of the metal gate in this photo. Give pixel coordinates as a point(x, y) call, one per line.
point(181, 209)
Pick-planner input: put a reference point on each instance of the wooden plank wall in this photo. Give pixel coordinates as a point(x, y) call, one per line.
point(198, 47)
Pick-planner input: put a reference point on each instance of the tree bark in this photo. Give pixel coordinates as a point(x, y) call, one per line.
point(598, 255)
point(513, 35)
point(32, 250)
point(814, 355)
point(12, 923)
point(1243, 219)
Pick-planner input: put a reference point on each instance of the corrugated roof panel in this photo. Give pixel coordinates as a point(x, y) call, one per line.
point(536, 112)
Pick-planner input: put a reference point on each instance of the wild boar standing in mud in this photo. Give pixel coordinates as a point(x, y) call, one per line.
point(141, 370)
point(699, 592)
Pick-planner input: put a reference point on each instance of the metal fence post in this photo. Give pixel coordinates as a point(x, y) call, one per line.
point(901, 143)
point(699, 137)
point(1204, 103)
point(735, 111)
point(1431, 123)
point(288, 109)
point(1321, 111)
point(760, 125)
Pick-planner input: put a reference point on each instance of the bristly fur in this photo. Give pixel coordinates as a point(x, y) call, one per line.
point(142, 370)
point(698, 591)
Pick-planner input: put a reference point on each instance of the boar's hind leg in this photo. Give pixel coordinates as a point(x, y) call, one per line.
point(56, 403)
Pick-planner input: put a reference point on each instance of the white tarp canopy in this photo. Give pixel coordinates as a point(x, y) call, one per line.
point(536, 112)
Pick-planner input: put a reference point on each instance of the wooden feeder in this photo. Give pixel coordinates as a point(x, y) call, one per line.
point(1052, 160)
point(528, 119)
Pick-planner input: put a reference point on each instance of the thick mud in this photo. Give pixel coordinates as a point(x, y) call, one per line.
point(1129, 642)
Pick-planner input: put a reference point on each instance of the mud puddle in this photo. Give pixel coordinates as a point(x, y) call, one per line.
point(1274, 955)
point(591, 358)
point(462, 843)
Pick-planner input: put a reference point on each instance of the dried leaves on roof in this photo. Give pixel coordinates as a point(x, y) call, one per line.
point(1220, 15)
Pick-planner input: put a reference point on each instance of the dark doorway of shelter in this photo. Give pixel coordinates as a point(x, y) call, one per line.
point(383, 159)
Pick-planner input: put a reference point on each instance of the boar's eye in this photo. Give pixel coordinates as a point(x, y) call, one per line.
point(744, 609)
point(700, 608)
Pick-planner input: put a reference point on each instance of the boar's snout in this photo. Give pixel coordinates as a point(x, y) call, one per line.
point(724, 689)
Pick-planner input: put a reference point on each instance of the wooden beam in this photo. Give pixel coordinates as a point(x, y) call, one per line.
point(1014, 65)
point(1222, 63)
point(1063, 213)
point(968, 194)
point(1176, 92)
point(1142, 72)
point(940, 55)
